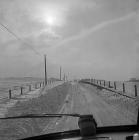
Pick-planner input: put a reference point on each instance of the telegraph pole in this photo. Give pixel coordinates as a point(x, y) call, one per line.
point(64, 77)
point(45, 70)
point(60, 73)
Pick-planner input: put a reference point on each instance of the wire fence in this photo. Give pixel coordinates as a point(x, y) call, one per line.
point(9, 92)
point(124, 87)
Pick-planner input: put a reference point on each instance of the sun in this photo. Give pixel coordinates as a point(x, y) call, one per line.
point(51, 20)
point(52, 16)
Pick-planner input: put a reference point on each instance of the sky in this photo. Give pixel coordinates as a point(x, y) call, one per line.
point(87, 38)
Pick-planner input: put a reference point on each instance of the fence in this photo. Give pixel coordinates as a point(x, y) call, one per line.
point(126, 88)
point(9, 93)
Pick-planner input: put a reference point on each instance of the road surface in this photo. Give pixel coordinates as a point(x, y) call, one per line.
point(84, 100)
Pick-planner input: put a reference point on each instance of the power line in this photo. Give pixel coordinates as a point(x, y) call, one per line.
point(18, 38)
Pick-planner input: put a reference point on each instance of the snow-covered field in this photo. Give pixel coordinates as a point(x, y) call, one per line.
point(15, 84)
point(129, 86)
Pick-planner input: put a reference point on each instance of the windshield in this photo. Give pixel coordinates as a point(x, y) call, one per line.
point(55, 53)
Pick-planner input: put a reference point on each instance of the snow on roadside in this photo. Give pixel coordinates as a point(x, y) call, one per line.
point(127, 107)
point(46, 103)
point(5, 105)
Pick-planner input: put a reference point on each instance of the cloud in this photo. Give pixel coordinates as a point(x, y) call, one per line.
point(108, 52)
point(98, 27)
point(84, 4)
point(40, 41)
point(83, 40)
point(19, 17)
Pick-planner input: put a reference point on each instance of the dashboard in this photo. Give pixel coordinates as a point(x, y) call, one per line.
point(110, 136)
point(106, 136)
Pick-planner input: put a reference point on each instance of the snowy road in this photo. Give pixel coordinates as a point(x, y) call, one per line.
point(85, 100)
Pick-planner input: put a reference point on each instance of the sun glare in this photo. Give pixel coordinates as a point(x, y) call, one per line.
point(50, 20)
point(52, 15)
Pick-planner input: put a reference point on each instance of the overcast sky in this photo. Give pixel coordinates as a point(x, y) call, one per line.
point(97, 38)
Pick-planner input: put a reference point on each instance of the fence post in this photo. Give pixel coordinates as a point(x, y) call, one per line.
point(123, 87)
point(40, 85)
point(21, 90)
point(109, 84)
point(135, 86)
point(10, 94)
point(115, 85)
point(104, 83)
point(29, 87)
point(100, 82)
point(91, 80)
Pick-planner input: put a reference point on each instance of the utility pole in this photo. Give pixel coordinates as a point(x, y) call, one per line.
point(60, 73)
point(64, 77)
point(45, 70)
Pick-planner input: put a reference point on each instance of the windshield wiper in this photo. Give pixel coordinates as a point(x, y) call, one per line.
point(43, 115)
point(86, 123)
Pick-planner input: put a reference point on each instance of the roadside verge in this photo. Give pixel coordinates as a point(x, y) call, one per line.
point(50, 101)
